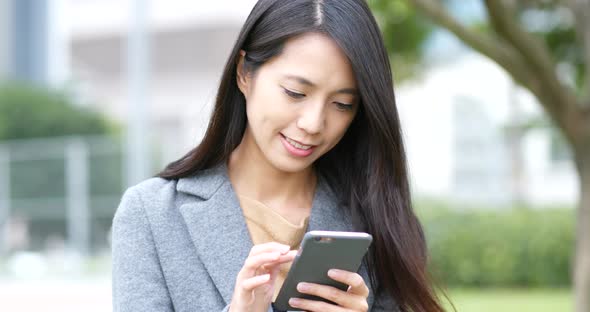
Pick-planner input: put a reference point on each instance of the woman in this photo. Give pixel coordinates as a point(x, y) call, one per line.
point(304, 136)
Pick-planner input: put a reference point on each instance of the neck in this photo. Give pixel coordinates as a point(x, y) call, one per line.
point(272, 186)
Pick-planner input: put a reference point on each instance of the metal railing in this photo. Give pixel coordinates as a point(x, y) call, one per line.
point(66, 187)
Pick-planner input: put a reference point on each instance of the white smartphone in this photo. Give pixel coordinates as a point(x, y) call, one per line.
point(321, 251)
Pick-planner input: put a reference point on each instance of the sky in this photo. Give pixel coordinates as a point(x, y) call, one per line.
point(442, 44)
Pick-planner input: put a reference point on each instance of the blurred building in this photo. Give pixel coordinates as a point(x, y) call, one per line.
point(459, 123)
point(188, 43)
point(33, 41)
point(5, 37)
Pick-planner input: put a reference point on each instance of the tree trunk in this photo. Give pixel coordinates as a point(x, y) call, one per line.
point(581, 273)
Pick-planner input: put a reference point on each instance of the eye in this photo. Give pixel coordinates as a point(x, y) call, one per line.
point(293, 94)
point(344, 107)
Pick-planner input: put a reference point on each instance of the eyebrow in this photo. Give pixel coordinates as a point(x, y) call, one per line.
point(305, 81)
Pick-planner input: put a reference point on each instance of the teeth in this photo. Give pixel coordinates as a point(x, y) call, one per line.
point(297, 145)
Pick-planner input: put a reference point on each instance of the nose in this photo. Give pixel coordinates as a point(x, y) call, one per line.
point(312, 118)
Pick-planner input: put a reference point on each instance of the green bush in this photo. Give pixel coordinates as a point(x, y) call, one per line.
point(508, 247)
point(38, 185)
point(28, 111)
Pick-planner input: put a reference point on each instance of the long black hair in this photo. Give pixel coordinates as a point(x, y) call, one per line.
point(367, 168)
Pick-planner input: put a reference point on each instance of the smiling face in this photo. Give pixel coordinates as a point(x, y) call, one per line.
point(300, 103)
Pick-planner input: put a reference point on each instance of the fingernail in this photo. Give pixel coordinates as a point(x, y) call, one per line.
point(294, 301)
point(303, 286)
point(333, 272)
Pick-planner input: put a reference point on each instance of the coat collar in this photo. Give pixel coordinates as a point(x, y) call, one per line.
point(218, 228)
point(205, 183)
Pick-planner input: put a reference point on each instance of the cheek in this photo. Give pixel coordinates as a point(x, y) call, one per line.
point(268, 114)
point(258, 109)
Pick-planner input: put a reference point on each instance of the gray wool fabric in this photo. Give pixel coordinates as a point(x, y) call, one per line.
point(179, 245)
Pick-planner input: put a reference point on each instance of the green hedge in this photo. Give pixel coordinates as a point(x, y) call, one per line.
point(29, 111)
point(509, 247)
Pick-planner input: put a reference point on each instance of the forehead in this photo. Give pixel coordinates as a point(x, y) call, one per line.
point(317, 58)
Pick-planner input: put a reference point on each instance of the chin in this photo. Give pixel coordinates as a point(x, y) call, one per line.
point(291, 166)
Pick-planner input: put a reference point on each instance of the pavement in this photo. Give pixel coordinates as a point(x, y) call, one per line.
point(59, 295)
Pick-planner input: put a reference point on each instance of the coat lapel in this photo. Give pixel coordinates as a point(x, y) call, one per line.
point(218, 229)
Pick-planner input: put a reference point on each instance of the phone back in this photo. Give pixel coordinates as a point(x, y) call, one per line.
point(321, 251)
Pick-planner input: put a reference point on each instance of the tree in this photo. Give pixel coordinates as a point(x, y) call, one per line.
point(545, 46)
point(33, 112)
point(405, 33)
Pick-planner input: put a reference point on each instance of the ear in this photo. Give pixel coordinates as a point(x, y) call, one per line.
point(242, 77)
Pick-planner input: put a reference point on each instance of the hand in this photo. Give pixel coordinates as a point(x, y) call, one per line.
point(355, 299)
point(255, 281)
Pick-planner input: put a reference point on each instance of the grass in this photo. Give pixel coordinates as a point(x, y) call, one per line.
point(508, 300)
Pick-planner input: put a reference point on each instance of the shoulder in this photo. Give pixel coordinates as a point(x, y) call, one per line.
point(150, 194)
point(157, 196)
point(150, 190)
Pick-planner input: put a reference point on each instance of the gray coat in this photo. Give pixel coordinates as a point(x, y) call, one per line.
point(179, 245)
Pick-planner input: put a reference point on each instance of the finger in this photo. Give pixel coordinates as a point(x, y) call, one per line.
point(354, 280)
point(314, 306)
point(339, 297)
point(269, 247)
point(282, 259)
point(274, 273)
point(288, 257)
point(254, 262)
point(254, 282)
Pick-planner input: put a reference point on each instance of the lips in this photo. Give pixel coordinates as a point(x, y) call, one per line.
point(297, 144)
point(296, 148)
